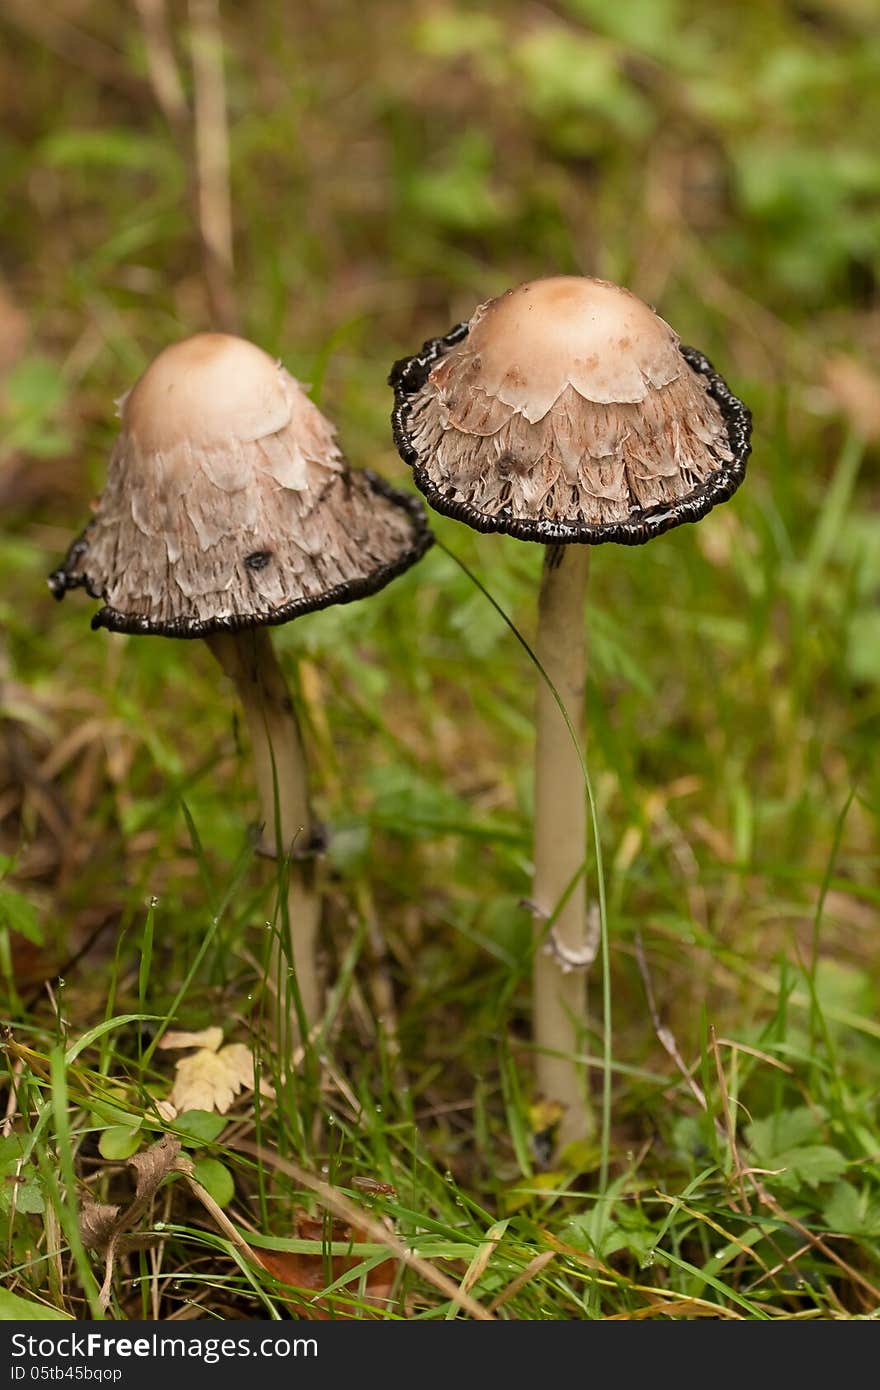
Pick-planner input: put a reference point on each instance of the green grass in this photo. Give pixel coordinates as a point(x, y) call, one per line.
point(385, 179)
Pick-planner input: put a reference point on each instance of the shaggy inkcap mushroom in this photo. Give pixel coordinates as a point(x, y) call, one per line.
point(228, 504)
point(229, 508)
point(566, 412)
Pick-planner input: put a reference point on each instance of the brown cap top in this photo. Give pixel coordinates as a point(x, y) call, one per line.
point(536, 340)
point(228, 503)
point(567, 410)
point(207, 389)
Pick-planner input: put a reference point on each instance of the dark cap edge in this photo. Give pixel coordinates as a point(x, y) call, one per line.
point(61, 580)
point(408, 376)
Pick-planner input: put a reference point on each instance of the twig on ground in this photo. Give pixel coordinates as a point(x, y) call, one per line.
point(203, 132)
point(162, 68)
point(524, 1277)
point(729, 1126)
point(665, 1037)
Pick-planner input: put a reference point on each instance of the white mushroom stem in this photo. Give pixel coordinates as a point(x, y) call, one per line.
point(248, 659)
point(562, 937)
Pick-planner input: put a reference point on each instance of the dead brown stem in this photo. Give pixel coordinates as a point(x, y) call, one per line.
point(212, 160)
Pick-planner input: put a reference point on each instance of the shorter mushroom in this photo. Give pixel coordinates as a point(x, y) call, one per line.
point(228, 509)
point(566, 412)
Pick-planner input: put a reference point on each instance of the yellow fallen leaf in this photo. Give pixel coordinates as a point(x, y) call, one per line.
point(210, 1080)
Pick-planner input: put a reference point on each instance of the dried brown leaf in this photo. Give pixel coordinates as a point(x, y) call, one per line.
point(152, 1166)
point(311, 1273)
point(97, 1223)
point(103, 1227)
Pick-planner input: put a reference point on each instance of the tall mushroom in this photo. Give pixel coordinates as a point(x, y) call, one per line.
point(229, 509)
point(566, 412)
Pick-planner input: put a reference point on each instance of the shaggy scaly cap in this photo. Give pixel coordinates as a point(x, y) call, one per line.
point(229, 505)
point(567, 410)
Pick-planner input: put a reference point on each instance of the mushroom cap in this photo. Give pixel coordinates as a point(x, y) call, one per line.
point(537, 339)
point(566, 410)
point(229, 505)
point(207, 389)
